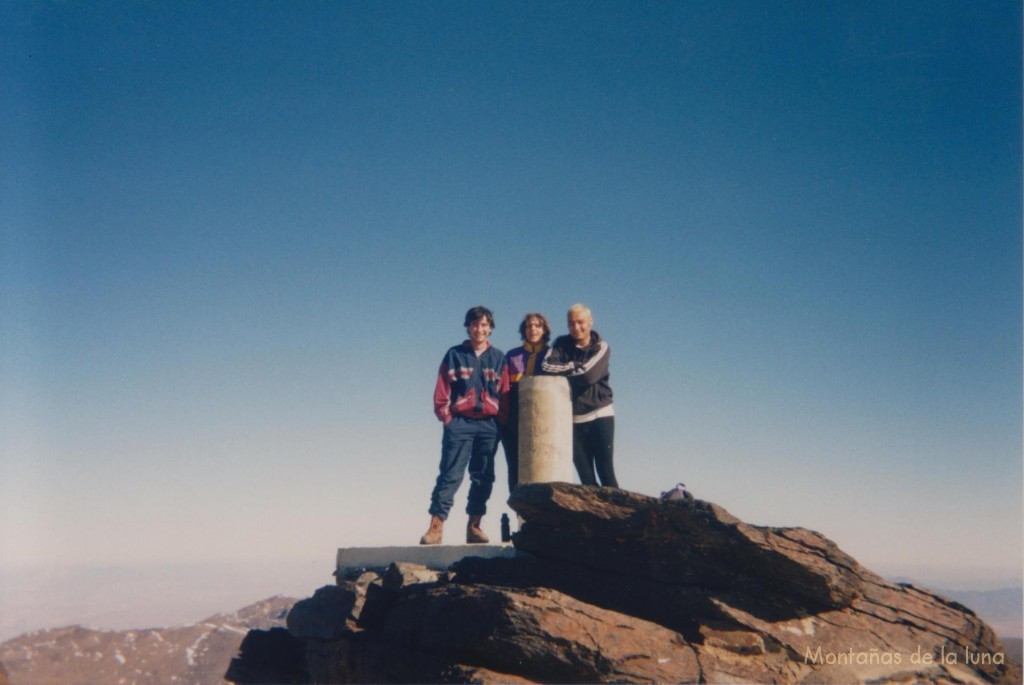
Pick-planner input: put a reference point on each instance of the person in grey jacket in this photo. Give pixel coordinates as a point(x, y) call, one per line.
point(582, 357)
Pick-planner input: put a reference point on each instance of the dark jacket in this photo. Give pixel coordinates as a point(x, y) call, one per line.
point(586, 369)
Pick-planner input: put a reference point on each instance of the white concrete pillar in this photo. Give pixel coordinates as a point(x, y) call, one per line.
point(545, 430)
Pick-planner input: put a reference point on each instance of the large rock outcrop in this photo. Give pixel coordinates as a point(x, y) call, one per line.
point(612, 586)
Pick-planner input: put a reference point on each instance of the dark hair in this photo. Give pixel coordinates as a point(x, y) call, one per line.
point(543, 321)
point(479, 313)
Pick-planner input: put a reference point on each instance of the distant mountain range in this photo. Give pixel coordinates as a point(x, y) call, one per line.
point(198, 654)
point(1001, 609)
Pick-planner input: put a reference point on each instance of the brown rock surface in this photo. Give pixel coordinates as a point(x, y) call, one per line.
point(681, 544)
point(475, 675)
point(324, 616)
point(612, 586)
point(539, 634)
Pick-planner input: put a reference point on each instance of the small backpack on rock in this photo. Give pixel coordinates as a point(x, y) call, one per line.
point(677, 494)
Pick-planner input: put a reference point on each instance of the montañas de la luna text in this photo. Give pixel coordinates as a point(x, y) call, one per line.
point(881, 657)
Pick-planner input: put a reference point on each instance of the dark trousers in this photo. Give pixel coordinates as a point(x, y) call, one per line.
point(593, 447)
point(466, 443)
point(510, 443)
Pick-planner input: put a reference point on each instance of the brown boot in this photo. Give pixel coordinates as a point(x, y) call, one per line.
point(473, 531)
point(434, 533)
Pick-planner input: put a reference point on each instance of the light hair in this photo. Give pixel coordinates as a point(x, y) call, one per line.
point(581, 309)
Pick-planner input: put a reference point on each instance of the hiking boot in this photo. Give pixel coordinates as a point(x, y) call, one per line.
point(434, 533)
point(473, 532)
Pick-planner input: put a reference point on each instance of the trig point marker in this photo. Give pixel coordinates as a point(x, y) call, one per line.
point(545, 430)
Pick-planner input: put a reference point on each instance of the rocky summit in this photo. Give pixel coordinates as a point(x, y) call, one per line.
point(612, 586)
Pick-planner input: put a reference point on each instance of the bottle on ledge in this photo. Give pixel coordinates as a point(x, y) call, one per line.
point(506, 531)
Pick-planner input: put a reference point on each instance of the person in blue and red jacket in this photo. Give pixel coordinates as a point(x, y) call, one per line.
point(522, 361)
point(470, 398)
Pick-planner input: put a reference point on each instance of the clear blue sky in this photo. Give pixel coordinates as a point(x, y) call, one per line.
point(238, 237)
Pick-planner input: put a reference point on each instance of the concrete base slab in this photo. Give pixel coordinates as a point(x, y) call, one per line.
point(437, 557)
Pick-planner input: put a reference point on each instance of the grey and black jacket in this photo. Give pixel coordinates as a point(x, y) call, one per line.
point(587, 371)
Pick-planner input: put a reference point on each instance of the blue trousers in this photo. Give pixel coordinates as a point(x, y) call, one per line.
point(466, 443)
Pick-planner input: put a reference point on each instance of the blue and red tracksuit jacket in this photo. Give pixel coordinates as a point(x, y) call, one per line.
point(472, 386)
